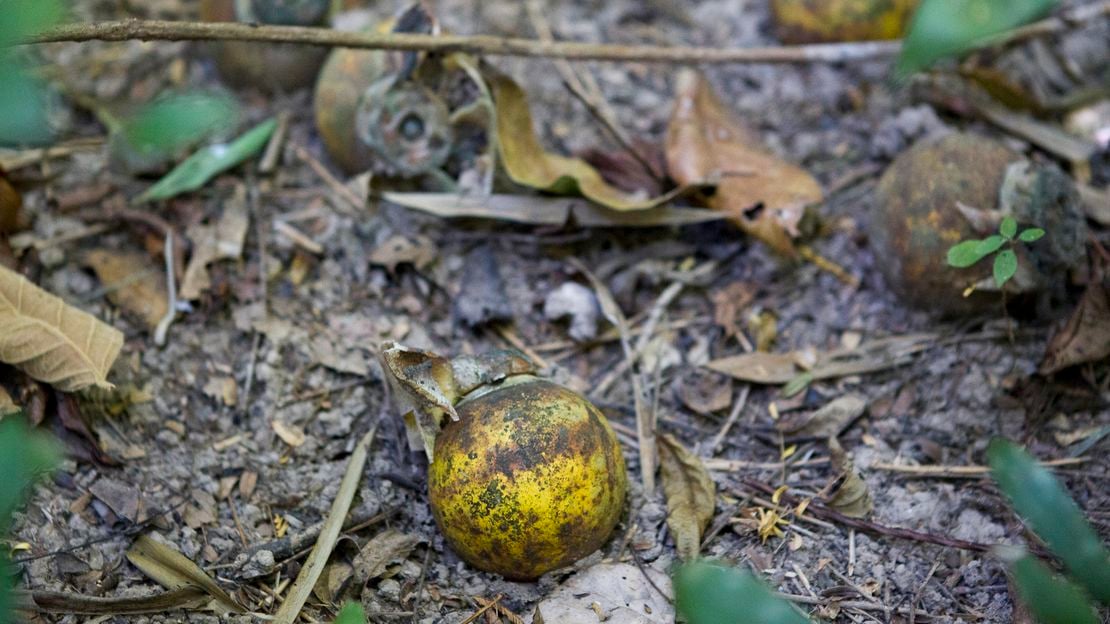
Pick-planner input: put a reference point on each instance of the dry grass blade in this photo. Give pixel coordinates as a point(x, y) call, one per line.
point(67, 603)
point(691, 495)
point(645, 425)
point(318, 558)
point(175, 571)
point(51, 340)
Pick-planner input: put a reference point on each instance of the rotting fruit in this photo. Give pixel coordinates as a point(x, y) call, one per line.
point(829, 21)
point(274, 67)
point(530, 477)
point(943, 191)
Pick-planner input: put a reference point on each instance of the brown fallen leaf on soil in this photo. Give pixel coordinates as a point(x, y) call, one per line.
point(691, 495)
point(172, 570)
point(728, 302)
point(389, 546)
point(418, 251)
point(52, 341)
point(642, 176)
point(11, 204)
point(764, 195)
point(133, 282)
point(1086, 335)
point(221, 241)
point(528, 164)
point(828, 421)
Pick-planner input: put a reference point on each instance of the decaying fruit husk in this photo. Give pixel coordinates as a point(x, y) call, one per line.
point(830, 21)
point(273, 67)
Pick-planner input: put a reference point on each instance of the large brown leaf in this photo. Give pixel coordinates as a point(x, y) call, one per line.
point(763, 194)
point(1086, 335)
point(691, 495)
point(527, 163)
point(52, 341)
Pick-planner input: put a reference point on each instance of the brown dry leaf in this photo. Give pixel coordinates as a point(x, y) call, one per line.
point(829, 421)
point(10, 204)
point(423, 387)
point(763, 194)
point(133, 282)
point(222, 241)
point(528, 164)
point(729, 302)
point(691, 495)
point(780, 368)
point(418, 251)
point(851, 496)
point(52, 341)
point(383, 549)
point(172, 570)
point(1086, 335)
point(540, 210)
point(705, 392)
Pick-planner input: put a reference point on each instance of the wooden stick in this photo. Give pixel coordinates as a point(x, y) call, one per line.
point(957, 472)
point(151, 30)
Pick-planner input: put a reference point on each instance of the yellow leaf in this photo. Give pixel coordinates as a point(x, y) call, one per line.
point(779, 491)
point(769, 524)
point(173, 570)
point(691, 495)
point(764, 195)
point(788, 451)
point(527, 163)
point(52, 341)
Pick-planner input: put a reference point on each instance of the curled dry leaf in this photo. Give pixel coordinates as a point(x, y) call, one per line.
point(418, 251)
point(173, 570)
point(764, 195)
point(829, 421)
point(528, 164)
point(383, 549)
point(290, 434)
point(52, 341)
point(1086, 335)
point(691, 495)
point(133, 282)
point(851, 496)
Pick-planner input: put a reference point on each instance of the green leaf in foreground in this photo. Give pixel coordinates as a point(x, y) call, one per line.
point(989, 245)
point(1051, 598)
point(210, 161)
point(351, 613)
point(1008, 228)
point(25, 105)
point(965, 254)
point(942, 28)
point(24, 454)
point(1030, 235)
point(1044, 504)
point(20, 18)
point(1005, 265)
point(164, 128)
point(707, 593)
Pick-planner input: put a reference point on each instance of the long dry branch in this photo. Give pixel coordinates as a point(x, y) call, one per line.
point(150, 30)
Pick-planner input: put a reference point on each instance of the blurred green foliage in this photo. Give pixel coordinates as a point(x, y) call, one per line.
point(942, 28)
point(708, 593)
point(351, 613)
point(25, 100)
point(1051, 599)
point(24, 455)
point(210, 161)
point(1047, 508)
point(164, 129)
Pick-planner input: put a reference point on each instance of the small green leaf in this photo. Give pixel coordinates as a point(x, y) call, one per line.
point(1005, 265)
point(1046, 507)
point(707, 593)
point(1051, 598)
point(1030, 235)
point(202, 166)
point(163, 129)
point(24, 455)
point(989, 245)
point(965, 254)
point(942, 28)
point(351, 613)
point(26, 103)
point(1008, 228)
point(797, 384)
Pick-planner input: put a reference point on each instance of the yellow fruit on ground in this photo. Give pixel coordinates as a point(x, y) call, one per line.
point(830, 21)
point(529, 479)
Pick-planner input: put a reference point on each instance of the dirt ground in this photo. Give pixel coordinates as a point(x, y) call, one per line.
point(203, 468)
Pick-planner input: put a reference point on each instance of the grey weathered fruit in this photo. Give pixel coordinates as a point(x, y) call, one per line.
point(944, 191)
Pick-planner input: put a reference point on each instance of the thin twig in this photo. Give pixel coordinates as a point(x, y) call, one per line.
point(171, 294)
point(737, 407)
point(964, 472)
point(486, 606)
point(357, 206)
